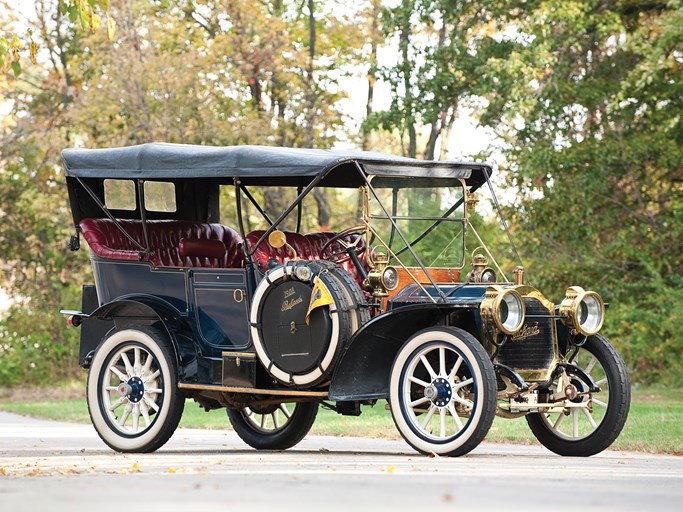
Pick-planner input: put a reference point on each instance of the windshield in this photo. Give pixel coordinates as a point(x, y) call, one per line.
point(430, 213)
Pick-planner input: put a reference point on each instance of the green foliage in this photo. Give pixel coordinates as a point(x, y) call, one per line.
point(591, 114)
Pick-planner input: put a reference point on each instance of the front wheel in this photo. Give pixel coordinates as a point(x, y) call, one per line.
point(132, 394)
point(596, 419)
point(273, 426)
point(442, 391)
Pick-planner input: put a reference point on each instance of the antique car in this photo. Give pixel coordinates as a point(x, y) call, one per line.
point(273, 316)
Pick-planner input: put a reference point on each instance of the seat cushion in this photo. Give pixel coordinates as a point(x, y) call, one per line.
point(106, 240)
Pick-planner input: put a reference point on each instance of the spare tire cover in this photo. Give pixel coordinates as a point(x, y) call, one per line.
point(299, 340)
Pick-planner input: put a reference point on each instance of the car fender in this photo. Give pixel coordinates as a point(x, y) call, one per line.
point(364, 369)
point(129, 311)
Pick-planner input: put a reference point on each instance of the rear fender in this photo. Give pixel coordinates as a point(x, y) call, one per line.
point(363, 372)
point(130, 312)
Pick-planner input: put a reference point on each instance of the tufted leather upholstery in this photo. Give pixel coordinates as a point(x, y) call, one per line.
point(107, 241)
point(307, 247)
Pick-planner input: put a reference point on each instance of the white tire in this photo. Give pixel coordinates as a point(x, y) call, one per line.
point(442, 391)
point(132, 393)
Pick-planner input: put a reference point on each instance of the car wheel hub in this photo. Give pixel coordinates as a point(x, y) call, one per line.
point(134, 389)
point(439, 392)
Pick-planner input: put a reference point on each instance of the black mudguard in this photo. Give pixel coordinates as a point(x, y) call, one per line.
point(130, 311)
point(363, 372)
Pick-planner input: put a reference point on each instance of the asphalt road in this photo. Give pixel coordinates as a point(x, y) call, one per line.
point(47, 465)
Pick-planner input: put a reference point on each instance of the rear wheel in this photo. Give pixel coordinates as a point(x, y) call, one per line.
point(132, 394)
point(273, 426)
point(592, 427)
point(443, 391)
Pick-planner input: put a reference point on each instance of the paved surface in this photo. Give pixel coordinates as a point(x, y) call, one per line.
point(57, 466)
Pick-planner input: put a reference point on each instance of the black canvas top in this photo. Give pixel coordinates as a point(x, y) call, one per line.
point(161, 160)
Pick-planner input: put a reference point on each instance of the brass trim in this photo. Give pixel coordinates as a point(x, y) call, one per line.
point(239, 354)
point(241, 295)
point(277, 392)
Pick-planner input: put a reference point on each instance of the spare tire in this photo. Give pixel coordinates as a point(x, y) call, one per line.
point(299, 340)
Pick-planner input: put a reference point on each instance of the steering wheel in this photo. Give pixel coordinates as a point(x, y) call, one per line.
point(356, 243)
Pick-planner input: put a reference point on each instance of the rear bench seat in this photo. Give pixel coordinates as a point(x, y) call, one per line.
point(307, 247)
point(172, 243)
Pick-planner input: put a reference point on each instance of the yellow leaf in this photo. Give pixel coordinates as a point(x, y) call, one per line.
point(111, 27)
point(33, 49)
point(391, 469)
point(95, 21)
point(171, 470)
point(135, 468)
point(16, 45)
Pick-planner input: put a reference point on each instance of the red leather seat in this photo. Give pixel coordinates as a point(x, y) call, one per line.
point(106, 240)
point(307, 247)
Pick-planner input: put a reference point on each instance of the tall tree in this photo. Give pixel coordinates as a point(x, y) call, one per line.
point(589, 102)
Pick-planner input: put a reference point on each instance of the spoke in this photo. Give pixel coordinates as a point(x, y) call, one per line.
point(419, 401)
point(454, 415)
point(575, 423)
point(600, 403)
point(591, 364)
point(118, 373)
point(152, 377)
point(601, 382)
point(455, 368)
point(284, 410)
point(263, 421)
point(153, 390)
point(144, 410)
point(151, 403)
point(590, 419)
point(462, 401)
point(126, 413)
point(275, 417)
point(118, 403)
point(111, 388)
point(426, 364)
point(136, 417)
point(418, 381)
point(137, 364)
point(126, 363)
point(430, 413)
point(442, 422)
point(558, 422)
point(148, 364)
point(442, 361)
point(462, 384)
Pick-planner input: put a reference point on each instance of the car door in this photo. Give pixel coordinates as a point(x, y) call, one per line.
point(219, 298)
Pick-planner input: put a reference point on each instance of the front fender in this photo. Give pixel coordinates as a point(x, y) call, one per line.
point(364, 369)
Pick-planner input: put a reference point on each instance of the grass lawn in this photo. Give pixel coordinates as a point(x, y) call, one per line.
point(655, 423)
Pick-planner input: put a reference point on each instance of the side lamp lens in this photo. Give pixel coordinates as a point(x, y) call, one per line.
point(390, 278)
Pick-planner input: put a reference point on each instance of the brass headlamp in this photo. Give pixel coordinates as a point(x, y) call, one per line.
point(582, 311)
point(503, 309)
point(383, 277)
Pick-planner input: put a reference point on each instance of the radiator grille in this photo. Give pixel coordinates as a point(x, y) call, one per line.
point(533, 347)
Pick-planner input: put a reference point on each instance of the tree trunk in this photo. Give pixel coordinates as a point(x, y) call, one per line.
point(374, 37)
point(309, 136)
point(406, 65)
